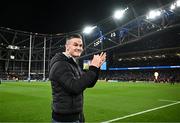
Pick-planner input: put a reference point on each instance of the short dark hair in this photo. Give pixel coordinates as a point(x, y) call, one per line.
point(75, 35)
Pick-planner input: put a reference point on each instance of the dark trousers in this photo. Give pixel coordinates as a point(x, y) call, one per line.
point(54, 121)
point(75, 118)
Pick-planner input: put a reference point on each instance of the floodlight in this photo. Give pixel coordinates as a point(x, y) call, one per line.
point(12, 57)
point(13, 47)
point(175, 5)
point(178, 3)
point(153, 14)
point(172, 7)
point(113, 34)
point(118, 14)
point(88, 29)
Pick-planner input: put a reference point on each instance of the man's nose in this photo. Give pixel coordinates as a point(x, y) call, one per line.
point(79, 47)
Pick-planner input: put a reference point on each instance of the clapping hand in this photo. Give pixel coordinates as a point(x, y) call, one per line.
point(98, 60)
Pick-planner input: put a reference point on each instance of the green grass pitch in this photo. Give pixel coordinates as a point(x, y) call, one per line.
point(130, 102)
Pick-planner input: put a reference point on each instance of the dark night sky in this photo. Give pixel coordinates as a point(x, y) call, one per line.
point(56, 16)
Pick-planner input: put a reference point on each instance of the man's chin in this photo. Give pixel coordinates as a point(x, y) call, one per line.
point(77, 55)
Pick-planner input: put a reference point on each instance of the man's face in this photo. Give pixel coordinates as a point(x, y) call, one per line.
point(74, 47)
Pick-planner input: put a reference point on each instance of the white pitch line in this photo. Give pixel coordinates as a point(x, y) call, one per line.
point(168, 100)
point(142, 112)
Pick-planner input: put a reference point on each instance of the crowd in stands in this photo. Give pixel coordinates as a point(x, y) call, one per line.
point(20, 76)
point(165, 75)
point(141, 75)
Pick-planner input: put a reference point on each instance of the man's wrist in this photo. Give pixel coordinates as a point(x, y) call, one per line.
point(94, 68)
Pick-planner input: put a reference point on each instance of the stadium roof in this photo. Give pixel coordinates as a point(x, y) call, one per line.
point(59, 16)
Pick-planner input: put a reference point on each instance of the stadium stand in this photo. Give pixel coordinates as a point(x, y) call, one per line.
point(136, 48)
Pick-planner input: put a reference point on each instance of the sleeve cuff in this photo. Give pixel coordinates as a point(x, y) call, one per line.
point(95, 69)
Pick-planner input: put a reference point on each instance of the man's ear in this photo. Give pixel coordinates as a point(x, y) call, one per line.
point(67, 47)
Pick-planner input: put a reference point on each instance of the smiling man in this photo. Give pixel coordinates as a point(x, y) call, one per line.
point(68, 81)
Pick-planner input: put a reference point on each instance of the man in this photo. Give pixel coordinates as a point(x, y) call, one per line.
point(68, 81)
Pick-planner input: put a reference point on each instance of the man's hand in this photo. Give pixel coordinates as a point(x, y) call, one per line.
point(98, 60)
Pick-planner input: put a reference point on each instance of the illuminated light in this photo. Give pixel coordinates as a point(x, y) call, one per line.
point(157, 56)
point(113, 34)
point(16, 47)
point(120, 59)
point(144, 57)
point(12, 57)
point(178, 3)
point(153, 14)
point(88, 29)
point(118, 14)
point(172, 7)
point(156, 74)
point(146, 67)
point(178, 54)
point(12, 47)
point(175, 5)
